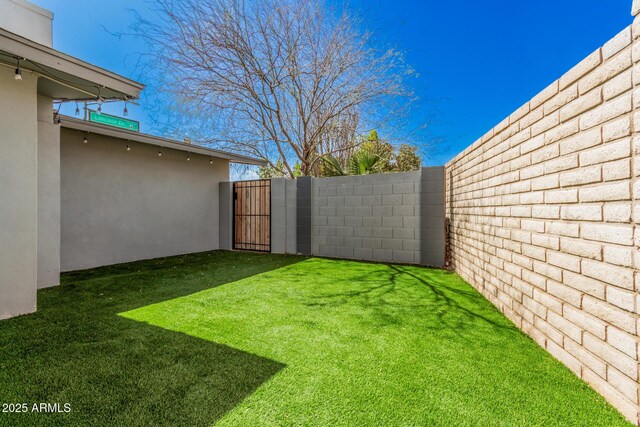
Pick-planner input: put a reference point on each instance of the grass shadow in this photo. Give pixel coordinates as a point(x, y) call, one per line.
point(185, 341)
point(388, 289)
point(77, 350)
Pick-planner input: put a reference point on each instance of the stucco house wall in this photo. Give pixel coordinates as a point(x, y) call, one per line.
point(18, 190)
point(120, 206)
point(48, 196)
point(28, 20)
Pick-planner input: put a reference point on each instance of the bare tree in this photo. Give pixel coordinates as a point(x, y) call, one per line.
point(340, 137)
point(286, 80)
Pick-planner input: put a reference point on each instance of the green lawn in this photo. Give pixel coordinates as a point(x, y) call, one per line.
point(248, 339)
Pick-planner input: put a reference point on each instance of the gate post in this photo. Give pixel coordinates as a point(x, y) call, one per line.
point(225, 193)
point(432, 217)
point(278, 215)
point(303, 214)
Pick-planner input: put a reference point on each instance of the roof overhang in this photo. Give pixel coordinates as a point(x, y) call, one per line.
point(63, 76)
point(100, 129)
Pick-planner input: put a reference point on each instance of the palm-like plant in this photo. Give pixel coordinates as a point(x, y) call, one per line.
point(331, 166)
point(364, 162)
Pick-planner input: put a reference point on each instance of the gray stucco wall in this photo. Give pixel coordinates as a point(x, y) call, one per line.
point(18, 194)
point(120, 206)
point(48, 196)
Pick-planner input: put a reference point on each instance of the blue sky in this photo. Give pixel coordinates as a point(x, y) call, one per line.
point(478, 60)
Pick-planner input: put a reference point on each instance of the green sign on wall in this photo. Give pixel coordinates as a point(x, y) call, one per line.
point(114, 121)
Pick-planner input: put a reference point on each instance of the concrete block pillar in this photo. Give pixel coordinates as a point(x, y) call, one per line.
point(283, 215)
point(226, 215)
point(432, 216)
point(303, 214)
point(291, 214)
point(278, 215)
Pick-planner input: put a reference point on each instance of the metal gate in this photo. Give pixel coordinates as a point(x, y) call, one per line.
point(252, 215)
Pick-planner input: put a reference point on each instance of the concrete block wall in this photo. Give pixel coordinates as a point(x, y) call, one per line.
point(290, 217)
point(392, 217)
point(544, 211)
point(304, 202)
point(278, 216)
point(370, 217)
point(432, 216)
point(283, 216)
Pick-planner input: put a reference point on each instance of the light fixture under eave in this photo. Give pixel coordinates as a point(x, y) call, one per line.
point(210, 161)
point(77, 110)
point(85, 140)
point(126, 111)
point(18, 74)
point(128, 148)
point(99, 101)
point(159, 153)
point(188, 157)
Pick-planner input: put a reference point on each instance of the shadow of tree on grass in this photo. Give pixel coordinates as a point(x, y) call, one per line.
point(115, 371)
point(387, 289)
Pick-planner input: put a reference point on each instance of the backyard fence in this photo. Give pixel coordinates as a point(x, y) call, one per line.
point(541, 218)
point(393, 217)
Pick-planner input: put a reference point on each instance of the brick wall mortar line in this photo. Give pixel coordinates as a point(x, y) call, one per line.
point(528, 278)
point(634, 201)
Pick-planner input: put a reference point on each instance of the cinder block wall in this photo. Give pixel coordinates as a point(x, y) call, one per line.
point(392, 217)
point(543, 212)
point(283, 216)
point(372, 217)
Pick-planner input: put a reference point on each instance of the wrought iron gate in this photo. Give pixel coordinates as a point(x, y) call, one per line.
point(252, 215)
